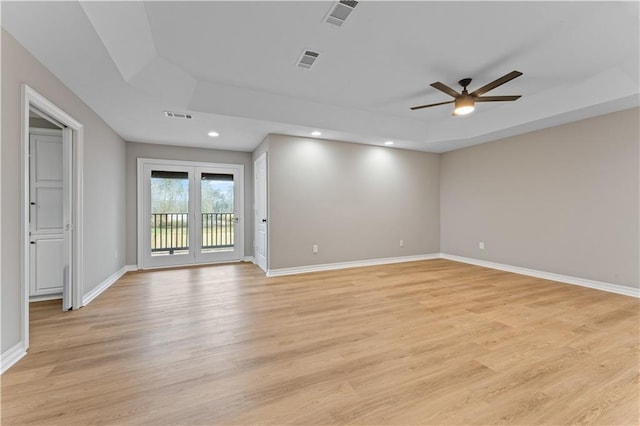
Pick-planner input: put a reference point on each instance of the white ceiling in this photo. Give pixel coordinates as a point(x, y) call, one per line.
point(232, 65)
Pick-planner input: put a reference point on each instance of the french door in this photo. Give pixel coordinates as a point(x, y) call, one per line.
point(189, 213)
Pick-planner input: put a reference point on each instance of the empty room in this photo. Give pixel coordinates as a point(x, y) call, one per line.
point(320, 212)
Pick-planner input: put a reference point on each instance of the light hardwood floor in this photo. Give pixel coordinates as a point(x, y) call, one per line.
point(431, 342)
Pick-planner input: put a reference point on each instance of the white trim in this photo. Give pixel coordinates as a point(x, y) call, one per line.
point(131, 268)
point(583, 282)
point(249, 259)
point(45, 297)
point(345, 265)
point(11, 356)
point(46, 106)
point(78, 219)
point(100, 288)
point(188, 163)
point(25, 284)
point(139, 205)
point(190, 265)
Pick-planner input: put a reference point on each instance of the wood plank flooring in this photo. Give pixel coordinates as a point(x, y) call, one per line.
point(430, 342)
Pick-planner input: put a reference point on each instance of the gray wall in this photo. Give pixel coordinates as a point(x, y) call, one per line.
point(356, 202)
point(170, 152)
point(561, 200)
point(104, 185)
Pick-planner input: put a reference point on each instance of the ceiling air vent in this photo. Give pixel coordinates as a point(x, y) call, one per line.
point(340, 11)
point(180, 115)
point(307, 59)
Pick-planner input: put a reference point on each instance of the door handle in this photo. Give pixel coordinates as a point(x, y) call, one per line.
point(264, 220)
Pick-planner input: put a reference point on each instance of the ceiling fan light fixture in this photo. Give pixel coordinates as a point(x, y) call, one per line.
point(464, 101)
point(464, 105)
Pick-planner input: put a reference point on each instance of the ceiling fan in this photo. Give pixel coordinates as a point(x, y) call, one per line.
point(465, 101)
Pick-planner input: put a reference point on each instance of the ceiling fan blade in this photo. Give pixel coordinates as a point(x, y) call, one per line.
point(430, 105)
point(499, 82)
point(497, 98)
point(444, 88)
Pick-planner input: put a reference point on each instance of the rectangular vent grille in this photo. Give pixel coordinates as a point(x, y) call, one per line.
point(340, 11)
point(180, 115)
point(307, 59)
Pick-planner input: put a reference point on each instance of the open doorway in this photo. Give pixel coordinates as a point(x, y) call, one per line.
point(47, 209)
point(51, 205)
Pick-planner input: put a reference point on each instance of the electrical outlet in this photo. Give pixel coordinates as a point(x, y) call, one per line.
point(401, 243)
point(481, 245)
point(314, 248)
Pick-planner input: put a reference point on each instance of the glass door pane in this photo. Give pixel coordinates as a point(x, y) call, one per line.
point(168, 211)
point(217, 210)
point(217, 214)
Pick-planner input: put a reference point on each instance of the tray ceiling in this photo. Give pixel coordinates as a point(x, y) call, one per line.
point(233, 66)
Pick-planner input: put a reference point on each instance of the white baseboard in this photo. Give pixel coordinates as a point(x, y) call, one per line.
point(45, 297)
point(97, 291)
point(188, 265)
point(11, 356)
point(249, 259)
point(583, 282)
point(344, 265)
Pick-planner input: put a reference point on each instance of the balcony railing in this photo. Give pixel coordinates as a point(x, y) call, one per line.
point(170, 231)
point(217, 230)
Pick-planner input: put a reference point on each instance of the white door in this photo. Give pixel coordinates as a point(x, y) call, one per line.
point(48, 259)
point(191, 213)
point(217, 214)
point(260, 185)
point(168, 200)
point(67, 219)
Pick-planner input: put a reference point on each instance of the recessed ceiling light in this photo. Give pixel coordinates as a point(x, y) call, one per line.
point(213, 134)
point(388, 143)
point(316, 133)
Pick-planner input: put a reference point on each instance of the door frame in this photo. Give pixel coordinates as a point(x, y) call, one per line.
point(75, 132)
point(140, 209)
